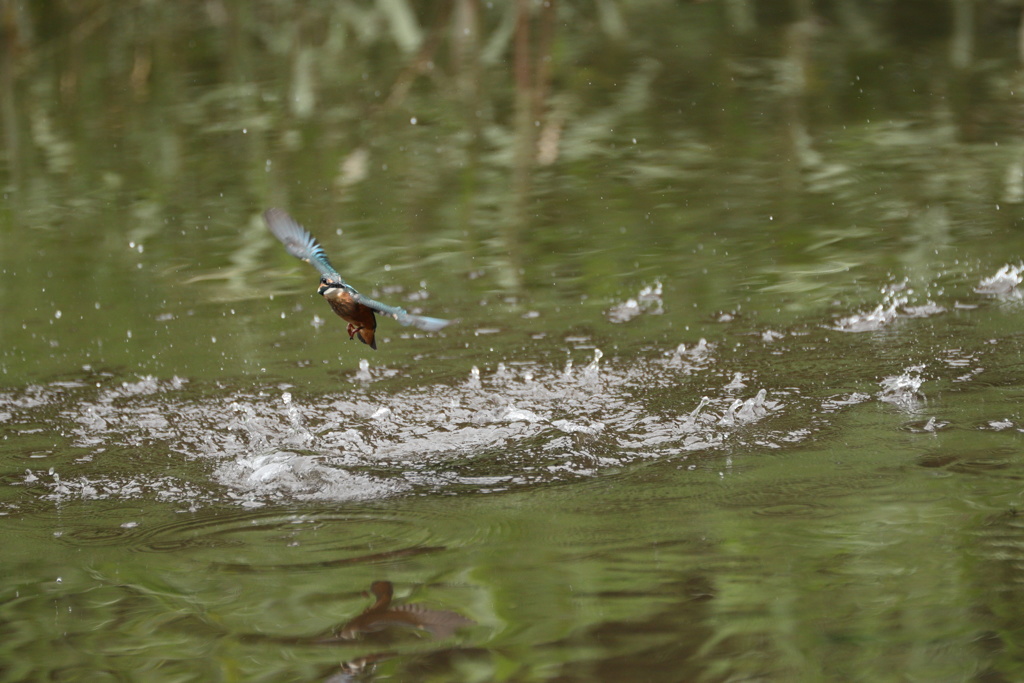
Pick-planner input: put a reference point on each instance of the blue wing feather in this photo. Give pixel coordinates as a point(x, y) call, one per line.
point(299, 242)
point(304, 246)
point(425, 323)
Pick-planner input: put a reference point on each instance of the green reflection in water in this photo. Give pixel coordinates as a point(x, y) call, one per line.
point(527, 170)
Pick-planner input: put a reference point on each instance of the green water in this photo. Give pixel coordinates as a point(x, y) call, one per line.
point(732, 393)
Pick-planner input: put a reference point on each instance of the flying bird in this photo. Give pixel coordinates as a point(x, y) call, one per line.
point(354, 308)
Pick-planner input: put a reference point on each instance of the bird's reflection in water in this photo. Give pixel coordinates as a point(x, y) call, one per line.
point(358, 669)
point(382, 614)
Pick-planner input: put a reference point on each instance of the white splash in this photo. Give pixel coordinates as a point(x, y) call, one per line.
point(363, 374)
point(1004, 282)
point(904, 390)
point(647, 301)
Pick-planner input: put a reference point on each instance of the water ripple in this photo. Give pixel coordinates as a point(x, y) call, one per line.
point(518, 424)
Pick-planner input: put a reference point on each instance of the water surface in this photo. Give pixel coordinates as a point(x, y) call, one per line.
point(733, 392)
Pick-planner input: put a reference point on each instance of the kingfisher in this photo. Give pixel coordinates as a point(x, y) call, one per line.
point(353, 307)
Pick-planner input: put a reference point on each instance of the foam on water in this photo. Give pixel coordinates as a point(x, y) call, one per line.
point(1004, 282)
point(519, 424)
point(896, 304)
point(648, 301)
point(903, 390)
point(516, 423)
point(873, 320)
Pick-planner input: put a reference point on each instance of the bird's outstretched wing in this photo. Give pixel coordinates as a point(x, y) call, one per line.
point(302, 245)
point(299, 242)
point(403, 317)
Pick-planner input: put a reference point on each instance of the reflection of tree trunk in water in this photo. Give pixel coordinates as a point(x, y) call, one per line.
point(963, 84)
point(523, 140)
point(8, 43)
point(239, 24)
point(1020, 38)
point(1013, 183)
point(1013, 187)
point(303, 86)
point(545, 61)
point(853, 19)
point(465, 32)
point(456, 20)
point(741, 16)
point(466, 58)
point(961, 48)
point(532, 77)
point(795, 84)
point(236, 21)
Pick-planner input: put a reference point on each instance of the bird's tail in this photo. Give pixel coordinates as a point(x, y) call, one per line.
point(366, 335)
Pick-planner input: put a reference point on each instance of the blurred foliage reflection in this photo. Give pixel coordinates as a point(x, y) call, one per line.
point(562, 178)
point(545, 150)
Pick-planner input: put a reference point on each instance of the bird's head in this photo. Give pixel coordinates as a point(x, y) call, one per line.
point(327, 284)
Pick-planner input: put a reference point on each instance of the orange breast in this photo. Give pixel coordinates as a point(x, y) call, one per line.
point(360, 318)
